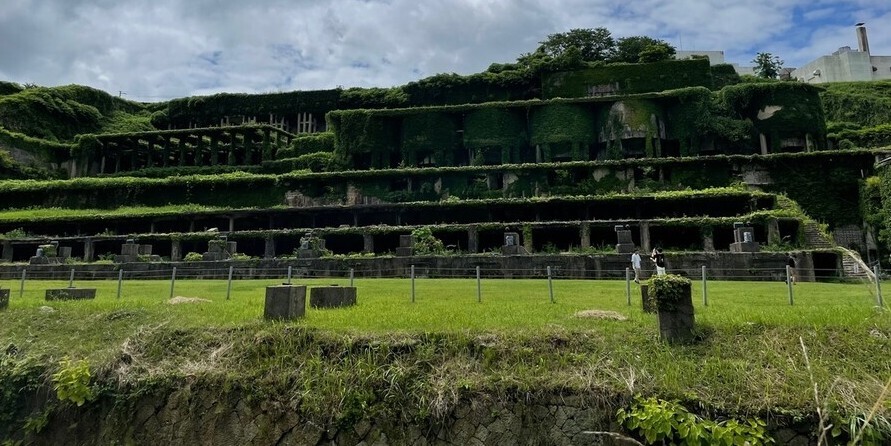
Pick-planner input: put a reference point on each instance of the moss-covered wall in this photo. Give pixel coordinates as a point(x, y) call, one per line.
point(628, 78)
point(779, 110)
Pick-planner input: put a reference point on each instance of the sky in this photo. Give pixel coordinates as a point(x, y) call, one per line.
point(154, 50)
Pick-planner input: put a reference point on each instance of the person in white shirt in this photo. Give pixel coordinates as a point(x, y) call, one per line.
point(635, 263)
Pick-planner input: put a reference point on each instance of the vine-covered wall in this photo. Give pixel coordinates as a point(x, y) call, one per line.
point(779, 110)
point(627, 78)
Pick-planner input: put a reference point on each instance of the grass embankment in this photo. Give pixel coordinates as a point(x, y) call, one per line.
point(389, 356)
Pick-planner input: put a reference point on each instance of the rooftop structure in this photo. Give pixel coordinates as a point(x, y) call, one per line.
point(846, 64)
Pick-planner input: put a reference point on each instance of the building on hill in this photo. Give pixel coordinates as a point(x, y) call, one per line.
point(847, 65)
point(715, 58)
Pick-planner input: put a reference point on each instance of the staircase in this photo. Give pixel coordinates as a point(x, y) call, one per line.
point(854, 267)
point(814, 238)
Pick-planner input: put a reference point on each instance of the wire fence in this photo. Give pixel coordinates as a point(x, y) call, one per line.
point(32, 277)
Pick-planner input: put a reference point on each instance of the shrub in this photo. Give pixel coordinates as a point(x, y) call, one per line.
point(193, 257)
point(72, 381)
point(668, 290)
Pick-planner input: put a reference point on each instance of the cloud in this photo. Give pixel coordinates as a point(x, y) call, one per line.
point(168, 48)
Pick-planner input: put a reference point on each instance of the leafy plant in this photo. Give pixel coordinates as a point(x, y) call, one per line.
point(669, 289)
point(426, 242)
point(72, 381)
point(668, 422)
point(193, 257)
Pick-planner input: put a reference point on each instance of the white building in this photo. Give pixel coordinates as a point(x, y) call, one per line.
point(847, 65)
point(714, 58)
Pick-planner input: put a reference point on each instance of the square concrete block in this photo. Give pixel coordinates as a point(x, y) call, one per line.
point(71, 294)
point(332, 296)
point(130, 249)
point(285, 302)
point(4, 299)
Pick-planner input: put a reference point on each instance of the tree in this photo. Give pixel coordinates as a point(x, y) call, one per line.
point(656, 52)
point(767, 65)
point(594, 44)
point(635, 49)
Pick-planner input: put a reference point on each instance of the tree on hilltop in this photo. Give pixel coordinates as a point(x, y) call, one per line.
point(642, 49)
point(767, 65)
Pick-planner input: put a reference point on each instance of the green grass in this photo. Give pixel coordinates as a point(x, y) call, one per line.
point(446, 305)
point(424, 357)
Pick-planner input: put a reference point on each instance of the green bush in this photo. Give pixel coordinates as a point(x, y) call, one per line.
point(305, 144)
point(72, 381)
point(193, 257)
point(668, 290)
point(667, 422)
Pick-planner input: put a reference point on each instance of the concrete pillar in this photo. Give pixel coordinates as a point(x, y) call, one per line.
point(808, 143)
point(214, 150)
point(231, 224)
point(585, 233)
point(7, 251)
point(763, 140)
point(368, 243)
point(176, 251)
point(269, 249)
point(645, 236)
point(152, 228)
point(166, 160)
point(149, 153)
point(473, 240)
point(88, 250)
point(773, 232)
point(708, 242)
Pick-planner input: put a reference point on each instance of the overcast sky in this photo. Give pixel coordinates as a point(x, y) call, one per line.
point(155, 50)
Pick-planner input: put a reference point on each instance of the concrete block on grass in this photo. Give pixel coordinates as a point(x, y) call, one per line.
point(285, 302)
point(71, 294)
point(332, 296)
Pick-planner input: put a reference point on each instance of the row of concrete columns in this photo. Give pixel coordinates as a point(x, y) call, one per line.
point(473, 241)
point(238, 142)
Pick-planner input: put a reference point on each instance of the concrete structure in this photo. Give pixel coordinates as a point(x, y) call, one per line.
point(714, 58)
point(70, 294)
point(285, 302)
point(847, 65)
point(332, 296)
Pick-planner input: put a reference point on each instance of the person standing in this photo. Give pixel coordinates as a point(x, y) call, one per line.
point(793, 273)
point(635, 263)
point(658, 258)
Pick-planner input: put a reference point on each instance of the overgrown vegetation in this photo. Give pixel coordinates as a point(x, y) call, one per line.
point(389, 358)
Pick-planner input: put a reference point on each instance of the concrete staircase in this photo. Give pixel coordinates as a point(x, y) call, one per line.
point(854, 267)
point(814, 238)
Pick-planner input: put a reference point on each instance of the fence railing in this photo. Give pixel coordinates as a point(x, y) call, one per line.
point(289, 274)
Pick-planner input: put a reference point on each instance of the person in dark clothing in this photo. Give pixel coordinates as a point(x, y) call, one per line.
point(793, 272)
point(658, 257)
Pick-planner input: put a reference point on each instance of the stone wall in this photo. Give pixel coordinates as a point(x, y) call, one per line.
point(196, 416)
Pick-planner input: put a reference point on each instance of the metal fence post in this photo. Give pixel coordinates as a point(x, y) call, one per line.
point(550, 285)
point(628, 285)
point(352, 274)
point(172, 281)
point(120, 281)
point(412, 284)
point(479, 289)
point(879, 300)
point(789, 284)
point(71, 279)
point(290, 271)
point(22, 287)
point(229, 285)
point(704, 288)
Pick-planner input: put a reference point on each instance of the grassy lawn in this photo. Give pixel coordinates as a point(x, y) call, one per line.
point(447, 345)
point(441, 305)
